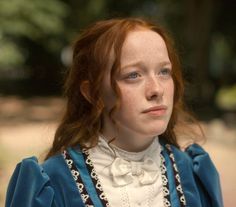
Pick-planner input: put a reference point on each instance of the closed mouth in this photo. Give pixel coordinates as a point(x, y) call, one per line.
point(155, 109)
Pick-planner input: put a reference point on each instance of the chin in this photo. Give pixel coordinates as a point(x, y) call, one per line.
point(152, 132)
point(158, 130)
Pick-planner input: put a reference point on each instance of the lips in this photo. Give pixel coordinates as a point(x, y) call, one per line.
point(156, 110)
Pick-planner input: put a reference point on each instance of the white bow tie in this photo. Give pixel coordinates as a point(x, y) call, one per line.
point(123, 172)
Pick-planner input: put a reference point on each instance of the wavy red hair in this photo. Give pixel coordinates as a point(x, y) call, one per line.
point(82, 123)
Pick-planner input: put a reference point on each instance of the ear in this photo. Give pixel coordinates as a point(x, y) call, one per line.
point(85, 90)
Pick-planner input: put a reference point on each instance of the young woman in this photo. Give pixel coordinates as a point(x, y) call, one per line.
point(117, 143)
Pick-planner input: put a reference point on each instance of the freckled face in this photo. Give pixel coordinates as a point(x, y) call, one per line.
point(146, 86)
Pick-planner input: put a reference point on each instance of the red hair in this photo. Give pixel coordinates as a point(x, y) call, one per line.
point(82, 123)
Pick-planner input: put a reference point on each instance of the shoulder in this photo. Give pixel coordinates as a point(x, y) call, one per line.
point(60, 175)
point(48, 184)
point(29, 169)
point(204, 171)
point(52, 164)
point(197, 157)
point(29, 185)
point(193, 153)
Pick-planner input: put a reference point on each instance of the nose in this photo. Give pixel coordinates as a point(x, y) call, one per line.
point(154, 89)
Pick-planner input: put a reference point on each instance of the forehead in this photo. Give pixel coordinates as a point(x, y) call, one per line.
point(143, 35)
point(144, 44)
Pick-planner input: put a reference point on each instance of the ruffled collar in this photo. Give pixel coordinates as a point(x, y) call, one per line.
point(144, 166)
point(152, 151)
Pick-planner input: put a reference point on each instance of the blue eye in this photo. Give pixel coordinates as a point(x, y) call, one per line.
point(165, 72)
point(133, 75)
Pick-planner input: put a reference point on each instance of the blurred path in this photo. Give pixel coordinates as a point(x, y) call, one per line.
point(224, 158)
point(26, 135)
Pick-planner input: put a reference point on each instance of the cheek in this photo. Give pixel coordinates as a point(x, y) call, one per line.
point(108, 98)
point(128, 107)
point(129, 99)
point(170, 91)
point(171, 97)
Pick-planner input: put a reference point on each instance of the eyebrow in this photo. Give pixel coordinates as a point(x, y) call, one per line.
point(140, 63)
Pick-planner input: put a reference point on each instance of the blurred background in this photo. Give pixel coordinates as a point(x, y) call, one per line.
point(35, 39)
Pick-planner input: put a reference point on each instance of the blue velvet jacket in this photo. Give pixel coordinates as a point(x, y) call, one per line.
point(51, 184)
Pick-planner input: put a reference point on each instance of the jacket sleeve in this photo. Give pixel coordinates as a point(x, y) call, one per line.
point(206, 174)
point(29, 186)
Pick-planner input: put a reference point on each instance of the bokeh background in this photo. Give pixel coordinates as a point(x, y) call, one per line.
point(35, 40)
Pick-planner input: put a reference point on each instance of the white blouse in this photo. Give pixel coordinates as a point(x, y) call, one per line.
point(129, 179)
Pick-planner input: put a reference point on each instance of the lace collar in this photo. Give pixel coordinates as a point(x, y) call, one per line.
point(153, 151)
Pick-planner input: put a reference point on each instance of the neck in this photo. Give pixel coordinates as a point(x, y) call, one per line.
point(127, 140)
point(133, 144)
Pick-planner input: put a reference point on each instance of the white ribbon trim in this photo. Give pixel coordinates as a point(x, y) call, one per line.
point(123, 172)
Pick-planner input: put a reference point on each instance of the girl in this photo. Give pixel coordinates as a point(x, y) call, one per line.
point(117, 143)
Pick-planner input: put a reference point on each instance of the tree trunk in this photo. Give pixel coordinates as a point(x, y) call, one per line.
point(199, 17)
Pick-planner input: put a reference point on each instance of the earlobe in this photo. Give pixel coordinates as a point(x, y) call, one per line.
point(85, 90)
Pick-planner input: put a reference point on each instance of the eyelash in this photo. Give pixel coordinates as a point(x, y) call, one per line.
point(166, 71)
point(131, 74)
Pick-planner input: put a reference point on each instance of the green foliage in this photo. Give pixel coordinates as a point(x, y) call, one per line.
point(34, 32)
point(226, 98)
point(220, 56)
point(35, 20)
point(10, 55)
